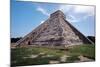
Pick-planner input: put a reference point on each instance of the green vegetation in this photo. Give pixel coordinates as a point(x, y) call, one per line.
point(85, 50)
point(72, 59)
point(21, 56)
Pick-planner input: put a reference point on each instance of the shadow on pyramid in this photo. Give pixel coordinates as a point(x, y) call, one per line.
point(54, 32)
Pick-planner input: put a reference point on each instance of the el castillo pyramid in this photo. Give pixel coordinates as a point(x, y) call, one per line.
point(55, 31)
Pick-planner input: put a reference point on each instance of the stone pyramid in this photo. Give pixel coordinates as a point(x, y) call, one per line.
point(55, 31)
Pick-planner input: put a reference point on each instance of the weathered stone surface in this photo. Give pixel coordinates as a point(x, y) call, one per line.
point(55, 31)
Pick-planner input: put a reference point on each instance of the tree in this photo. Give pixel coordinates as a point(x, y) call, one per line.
point(14, 40)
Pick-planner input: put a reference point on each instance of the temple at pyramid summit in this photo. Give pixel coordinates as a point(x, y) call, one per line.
point(55, 31)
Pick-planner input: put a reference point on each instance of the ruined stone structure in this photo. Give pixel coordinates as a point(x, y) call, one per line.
point(55, 31)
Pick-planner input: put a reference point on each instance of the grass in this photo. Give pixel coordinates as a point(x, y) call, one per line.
point(33, 61)
point(85, 50)
point(18, 54)
point(72, 59)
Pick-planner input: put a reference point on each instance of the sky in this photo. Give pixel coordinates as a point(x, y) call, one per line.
point(26, 16)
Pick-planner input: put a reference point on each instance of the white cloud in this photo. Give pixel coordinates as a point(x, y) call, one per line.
point(65, 8)
point(76, 13)
point(72, 18)
point(77, 9)
point(42, 11)
point(84, 9)
point(42, 22)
